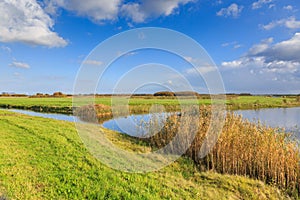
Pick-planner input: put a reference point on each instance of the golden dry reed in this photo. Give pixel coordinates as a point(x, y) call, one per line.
point(243, 148)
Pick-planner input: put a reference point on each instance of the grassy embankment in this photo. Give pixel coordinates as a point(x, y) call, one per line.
point(45, 159)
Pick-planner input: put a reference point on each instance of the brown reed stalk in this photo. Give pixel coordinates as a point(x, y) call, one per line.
point(243, 148)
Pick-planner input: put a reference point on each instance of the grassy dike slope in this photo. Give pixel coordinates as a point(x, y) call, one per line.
point(45, 159)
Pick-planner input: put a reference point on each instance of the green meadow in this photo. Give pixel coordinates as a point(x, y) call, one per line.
point(45, 159)
point(64, 104)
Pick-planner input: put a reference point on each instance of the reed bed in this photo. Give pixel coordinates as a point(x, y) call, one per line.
point(243, 148)
point(94, 113)
point(99, 112)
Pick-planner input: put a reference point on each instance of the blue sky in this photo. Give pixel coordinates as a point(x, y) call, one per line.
point(255, 44)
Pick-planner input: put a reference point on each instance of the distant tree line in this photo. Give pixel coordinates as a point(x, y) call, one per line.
point(55, 94)
point(6, 94)
point(37, 95)
point(173, 94)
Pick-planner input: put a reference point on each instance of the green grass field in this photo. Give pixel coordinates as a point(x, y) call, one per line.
point(250, 102)
point(64, 105)
point(45, 159)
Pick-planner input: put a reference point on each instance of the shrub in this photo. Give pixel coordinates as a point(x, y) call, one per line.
point(164, 93)
point(58, 94)
point(186, 93)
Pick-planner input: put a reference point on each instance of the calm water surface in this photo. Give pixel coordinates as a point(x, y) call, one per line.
point(62, 117)
point(137, 125)
point(288, 118)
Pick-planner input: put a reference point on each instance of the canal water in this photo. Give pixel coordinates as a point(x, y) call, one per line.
point(69, 118)
point(287, 118)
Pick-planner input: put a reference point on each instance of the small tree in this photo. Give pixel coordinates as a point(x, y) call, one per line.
point(58, 94)
point(164, 93)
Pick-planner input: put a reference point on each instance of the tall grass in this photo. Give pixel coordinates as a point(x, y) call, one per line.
point(243, 148)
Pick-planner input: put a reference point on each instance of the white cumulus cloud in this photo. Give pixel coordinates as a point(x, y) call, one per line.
point(261, 47)
point(258, 4)
point(32, 21)
point(288, 7)
point(281, 57)
point(97, 10)
point(19, 65)
point(140, 11)
point(233, 10)
point(26, 21)
point(134, 12)
point(100, 11)
point(291, 23)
